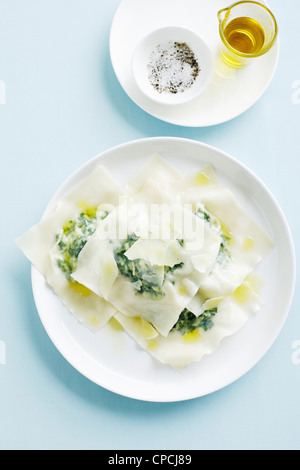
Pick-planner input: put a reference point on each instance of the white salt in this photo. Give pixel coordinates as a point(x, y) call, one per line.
point(173, 68)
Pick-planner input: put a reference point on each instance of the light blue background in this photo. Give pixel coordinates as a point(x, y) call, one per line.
point(63, 106)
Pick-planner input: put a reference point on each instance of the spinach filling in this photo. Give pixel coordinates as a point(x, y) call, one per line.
point(147, 279)
point(73, 238)
point(188, 322)
point(224, 253)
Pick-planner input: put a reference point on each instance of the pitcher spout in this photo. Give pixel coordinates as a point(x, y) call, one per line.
point(222, 14)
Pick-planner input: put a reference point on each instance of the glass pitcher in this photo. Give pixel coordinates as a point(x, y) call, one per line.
point(247, 30)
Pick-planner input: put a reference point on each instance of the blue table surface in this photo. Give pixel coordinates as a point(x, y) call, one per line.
point(61, 104)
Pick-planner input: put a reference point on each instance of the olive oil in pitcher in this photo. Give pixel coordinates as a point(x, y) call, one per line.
point(245, 35)
point(247, 30)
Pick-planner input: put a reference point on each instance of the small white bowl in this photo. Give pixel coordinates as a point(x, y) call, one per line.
point(164, 39)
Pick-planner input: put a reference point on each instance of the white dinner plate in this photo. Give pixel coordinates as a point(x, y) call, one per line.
point(231, 92)
point(110, 358)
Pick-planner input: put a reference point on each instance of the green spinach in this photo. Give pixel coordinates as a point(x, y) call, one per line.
point(188, 322)
point(146, 278)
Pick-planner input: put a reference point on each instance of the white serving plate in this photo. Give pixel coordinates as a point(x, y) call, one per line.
point(231, 91)
point(110, 358)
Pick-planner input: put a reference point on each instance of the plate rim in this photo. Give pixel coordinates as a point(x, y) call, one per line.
point(177, 397)
point(159, 115)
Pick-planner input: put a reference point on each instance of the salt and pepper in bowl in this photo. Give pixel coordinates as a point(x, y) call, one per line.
point(172, 65)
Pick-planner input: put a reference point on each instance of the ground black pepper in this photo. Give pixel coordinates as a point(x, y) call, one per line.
point(173, 67)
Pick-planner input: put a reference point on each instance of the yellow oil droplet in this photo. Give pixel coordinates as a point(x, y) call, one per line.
point(113, 322)
point(145, 328)
point(192, 336)
point(94, 321)
point(110, 269)
point(241, 294)
point(248, 244)
point(227, 233)
point(68, 226)
point(82, 204)
point(152, 345)
point(68, 258)
point(89, 211)
point(80, 289)
point(182, 289)
point(202, 179)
